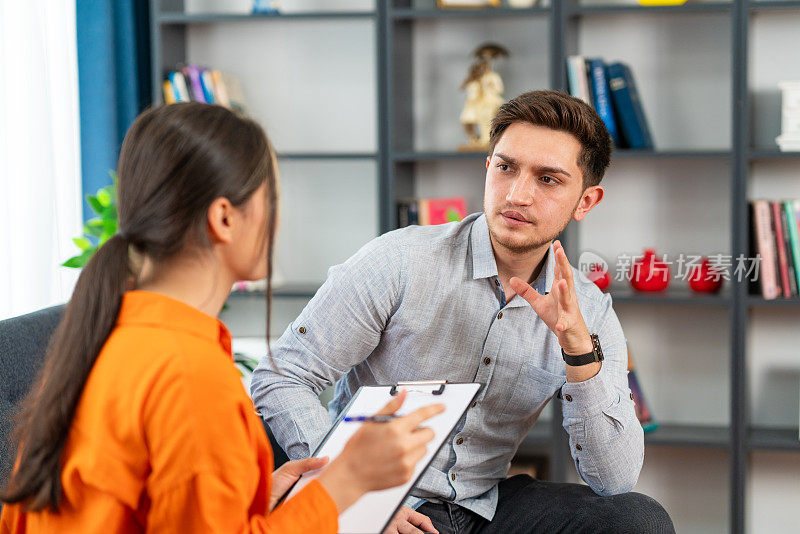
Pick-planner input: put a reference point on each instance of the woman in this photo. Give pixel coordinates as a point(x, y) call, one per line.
point(138, 420)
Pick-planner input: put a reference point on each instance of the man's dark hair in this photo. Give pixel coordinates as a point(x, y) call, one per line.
point(564, 113)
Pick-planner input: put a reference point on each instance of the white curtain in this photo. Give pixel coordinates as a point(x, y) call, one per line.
point(40, 186)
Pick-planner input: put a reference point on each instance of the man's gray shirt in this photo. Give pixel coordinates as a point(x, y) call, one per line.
point(425, 303)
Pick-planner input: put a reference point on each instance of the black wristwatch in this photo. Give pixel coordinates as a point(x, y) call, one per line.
point(583, 359)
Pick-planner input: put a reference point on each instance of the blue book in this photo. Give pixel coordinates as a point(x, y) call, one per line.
point(207, 85)
point(625, 97)
point(602, 98)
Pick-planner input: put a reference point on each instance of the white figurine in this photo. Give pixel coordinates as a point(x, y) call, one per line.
point(484, 89)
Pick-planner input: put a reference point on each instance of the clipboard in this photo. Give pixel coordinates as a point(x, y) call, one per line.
point(374, 511)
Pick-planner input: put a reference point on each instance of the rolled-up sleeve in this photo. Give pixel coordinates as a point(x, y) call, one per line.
point(605, 437)
point(339, 328)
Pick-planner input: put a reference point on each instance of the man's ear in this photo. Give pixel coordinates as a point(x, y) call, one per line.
point(488, 159)
point(220, 221)
point(590, 198)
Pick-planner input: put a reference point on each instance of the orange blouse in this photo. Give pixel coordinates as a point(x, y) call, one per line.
point(165, 439)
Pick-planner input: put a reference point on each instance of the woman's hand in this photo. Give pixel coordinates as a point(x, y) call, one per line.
point(286, 475)
point(380, 455)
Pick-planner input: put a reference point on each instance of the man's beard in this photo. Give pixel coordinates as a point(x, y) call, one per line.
point(517, 247)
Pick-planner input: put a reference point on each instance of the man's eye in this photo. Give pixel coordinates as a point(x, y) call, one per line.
point(550, 180)
point(503, 167)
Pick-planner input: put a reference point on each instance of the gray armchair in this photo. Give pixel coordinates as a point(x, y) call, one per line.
point(23, 342)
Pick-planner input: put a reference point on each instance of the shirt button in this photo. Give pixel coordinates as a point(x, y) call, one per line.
point(459, 441)
point(487, 360)
point(631, 396)
point(578, 447)
point(302, 329)
point(568, 397)
point(474, 404)
point(500, 315)
point(497, 282)
point(452, 476)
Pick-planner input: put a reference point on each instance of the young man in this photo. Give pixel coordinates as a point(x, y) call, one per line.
point(492, 299)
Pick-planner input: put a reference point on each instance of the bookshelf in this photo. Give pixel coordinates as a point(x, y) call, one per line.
point(705, 361)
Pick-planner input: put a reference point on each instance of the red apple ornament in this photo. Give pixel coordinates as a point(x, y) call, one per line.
point(650, 274)
point(704, 278)
point(599, 275)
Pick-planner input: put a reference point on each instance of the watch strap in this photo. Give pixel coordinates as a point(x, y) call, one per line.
point(583, 359)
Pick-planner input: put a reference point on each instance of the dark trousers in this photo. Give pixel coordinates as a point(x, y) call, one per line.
point(528, 506)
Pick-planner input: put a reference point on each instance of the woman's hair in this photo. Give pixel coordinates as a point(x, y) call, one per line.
point(175, 160)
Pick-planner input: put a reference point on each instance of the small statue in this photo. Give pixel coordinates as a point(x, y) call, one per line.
point(484, 89)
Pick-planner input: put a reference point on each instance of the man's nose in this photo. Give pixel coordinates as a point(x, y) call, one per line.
point(521, 192)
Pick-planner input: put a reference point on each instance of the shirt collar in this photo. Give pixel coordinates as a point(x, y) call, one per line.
point(485, 266)
point(145, 308)
point(483, 262)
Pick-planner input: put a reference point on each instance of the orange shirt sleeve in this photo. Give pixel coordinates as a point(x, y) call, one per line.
point(211, 462)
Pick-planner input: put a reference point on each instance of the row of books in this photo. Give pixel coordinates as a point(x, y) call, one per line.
point(775, 237)
point(193, 83)
point(424, 211)
point(611, 90)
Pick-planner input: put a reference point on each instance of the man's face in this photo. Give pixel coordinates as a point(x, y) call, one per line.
point(533, 186)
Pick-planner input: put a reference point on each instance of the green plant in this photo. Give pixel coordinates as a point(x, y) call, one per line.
point(100, 229)
point(245, 361)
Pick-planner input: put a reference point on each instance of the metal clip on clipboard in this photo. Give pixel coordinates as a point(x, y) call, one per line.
point(437, 391)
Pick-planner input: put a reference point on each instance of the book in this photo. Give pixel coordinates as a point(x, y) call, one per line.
point(178, 82)
point(207, 85)
point(220, 91)
point(780, 248)
point(588, 76)
point(602, 98)
point(235, 94)
point(427, 211)
point(442, 210)
point(192, 73)
point(643, 413)
point(765, 247)
point(578, 81)
point(169, 92)
point(626, 102)
point(791, 277)
point(792, 212)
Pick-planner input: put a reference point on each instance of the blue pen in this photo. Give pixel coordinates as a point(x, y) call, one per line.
point(369, 418)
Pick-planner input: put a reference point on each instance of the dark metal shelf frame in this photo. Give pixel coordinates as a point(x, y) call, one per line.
point(178, 18)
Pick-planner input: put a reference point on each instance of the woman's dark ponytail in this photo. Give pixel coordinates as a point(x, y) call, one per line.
point(47, 411)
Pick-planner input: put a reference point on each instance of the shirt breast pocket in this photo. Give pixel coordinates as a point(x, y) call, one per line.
point(530, 391)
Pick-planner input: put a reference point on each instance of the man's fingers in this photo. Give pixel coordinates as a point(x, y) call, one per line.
point(564, 265)
point(564, 295)
point(524, 290)
point(422, 521)
point(393, 405)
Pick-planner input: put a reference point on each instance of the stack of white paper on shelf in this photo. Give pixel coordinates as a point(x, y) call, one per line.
point(789, 140)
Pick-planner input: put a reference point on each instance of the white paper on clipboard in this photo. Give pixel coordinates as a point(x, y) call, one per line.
point(372, 512)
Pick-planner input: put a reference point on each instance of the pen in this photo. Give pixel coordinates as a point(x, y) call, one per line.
point(370, 418)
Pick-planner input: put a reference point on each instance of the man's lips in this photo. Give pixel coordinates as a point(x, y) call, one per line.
point(514, 218)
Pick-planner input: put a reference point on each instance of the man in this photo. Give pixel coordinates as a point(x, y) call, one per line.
point(492, 299)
